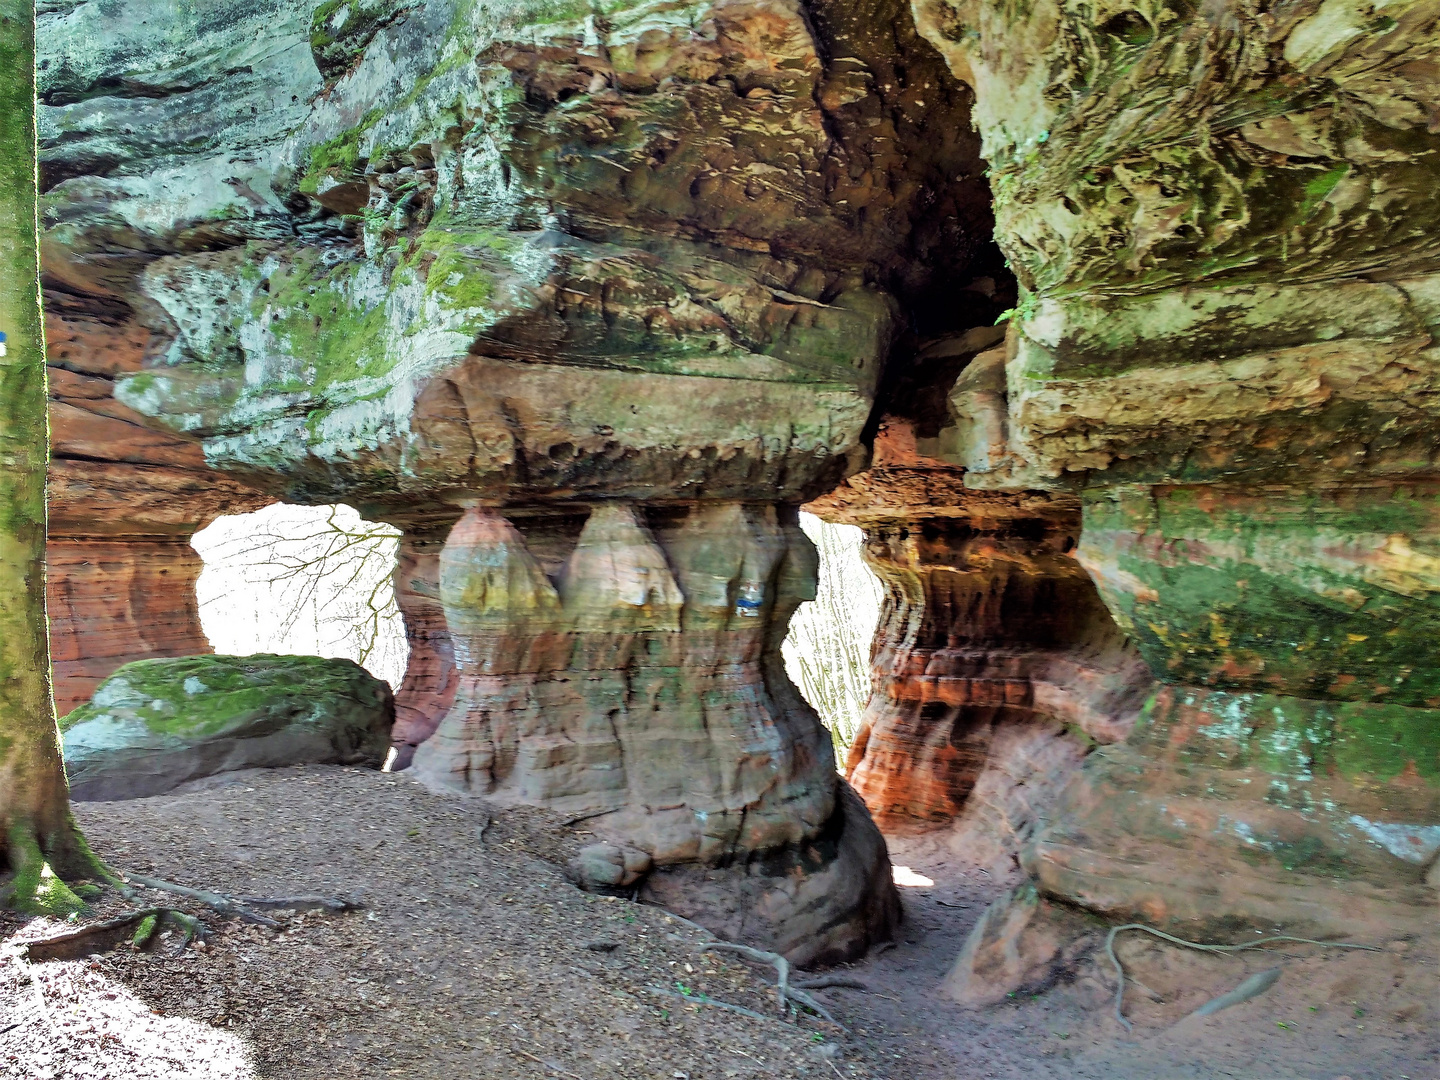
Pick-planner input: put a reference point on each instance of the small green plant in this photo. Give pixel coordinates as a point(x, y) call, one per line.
point(1026, 309)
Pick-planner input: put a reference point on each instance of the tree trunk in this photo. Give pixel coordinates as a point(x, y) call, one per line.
point(36, 832)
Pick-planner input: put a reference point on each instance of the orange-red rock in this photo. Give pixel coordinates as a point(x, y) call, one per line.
point(994, 657)
point(124, 502)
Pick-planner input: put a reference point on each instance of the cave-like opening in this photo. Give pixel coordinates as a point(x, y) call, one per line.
point(303, 580)
point(827, 649)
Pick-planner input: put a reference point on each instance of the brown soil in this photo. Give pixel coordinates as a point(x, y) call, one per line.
point(474, 957)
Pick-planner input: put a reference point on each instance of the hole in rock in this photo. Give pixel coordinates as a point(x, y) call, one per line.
point(303, 580)
point(909, 879)
point(827, 651)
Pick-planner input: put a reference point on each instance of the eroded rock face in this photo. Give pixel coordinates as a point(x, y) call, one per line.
point(124, 501)
point(622, 665)
point(425, 695)
point(609, 282)
point(997, 667)
point(588, 303)
point(579, 208)
point(641, 686)
point(1225, 345)
point(155, 724)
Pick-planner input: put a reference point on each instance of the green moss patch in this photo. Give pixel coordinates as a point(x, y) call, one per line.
point(1295, 739)
point(1307, 593)
point(203, 695)
point(317, 316)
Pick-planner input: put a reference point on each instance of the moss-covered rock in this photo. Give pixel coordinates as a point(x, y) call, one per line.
point(1321, 593)
point(1196, 204)
point(1228, 809)
point(155, 724)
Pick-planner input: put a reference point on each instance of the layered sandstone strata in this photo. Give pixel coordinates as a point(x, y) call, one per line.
point(1225, 345)
point(996, 666)
point(428, 689)
point(124, 500)
point(630, 675)
point(1301, 732)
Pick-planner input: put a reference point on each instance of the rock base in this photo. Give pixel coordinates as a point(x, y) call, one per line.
point(1023, 944)
point(1228, 810)
point(822, 902)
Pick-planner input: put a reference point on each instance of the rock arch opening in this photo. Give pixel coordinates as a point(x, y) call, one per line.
point(303, 580)
point(827, 649)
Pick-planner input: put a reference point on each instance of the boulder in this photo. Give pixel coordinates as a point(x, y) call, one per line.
point(1023, 944)
point(154, 724)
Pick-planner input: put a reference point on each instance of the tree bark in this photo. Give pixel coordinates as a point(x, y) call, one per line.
point(36, 832)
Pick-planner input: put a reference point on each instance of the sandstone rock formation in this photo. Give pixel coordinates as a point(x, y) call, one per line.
point(997, 667)
point(1225, 344)
point(154, 724)
point(587, 302)
point(630, 275)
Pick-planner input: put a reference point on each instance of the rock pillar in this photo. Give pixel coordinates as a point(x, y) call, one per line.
point(638, 682)
point(996, 665)
point(428, 689)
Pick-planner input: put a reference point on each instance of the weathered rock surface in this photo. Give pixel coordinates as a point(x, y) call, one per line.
point(600, 273)
point(124, 501)
point(588, 302)
point(428, 690)
point(996, 665)
point(1225, 342)
point(154, 724)
point(1022, 944)
point(638, 684)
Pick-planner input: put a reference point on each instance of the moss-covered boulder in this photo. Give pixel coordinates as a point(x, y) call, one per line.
point(155, 724)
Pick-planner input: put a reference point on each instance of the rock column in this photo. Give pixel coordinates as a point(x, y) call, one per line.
point(638, 683)
point(996, 665)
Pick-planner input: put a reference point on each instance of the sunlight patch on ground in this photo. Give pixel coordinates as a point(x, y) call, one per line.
point(910, 879)
point(66, 1019)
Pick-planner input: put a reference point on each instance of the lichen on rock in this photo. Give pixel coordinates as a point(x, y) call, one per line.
point(155, 724)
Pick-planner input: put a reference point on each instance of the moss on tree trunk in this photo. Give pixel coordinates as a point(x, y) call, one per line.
point(38, 841)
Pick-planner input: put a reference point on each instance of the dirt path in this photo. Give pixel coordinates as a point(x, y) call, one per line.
point(474, 957)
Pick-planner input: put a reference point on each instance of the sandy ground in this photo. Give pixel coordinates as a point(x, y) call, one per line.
point(472, 956)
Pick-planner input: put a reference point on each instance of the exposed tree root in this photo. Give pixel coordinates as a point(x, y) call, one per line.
point(823, 982)
point(241, 907)
point(36, 889)
point(140, 927)
point(705, 999)
point(298, 903)
point(1202, 947)
point(789, 995)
